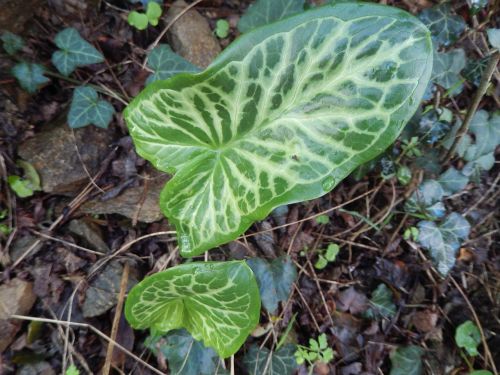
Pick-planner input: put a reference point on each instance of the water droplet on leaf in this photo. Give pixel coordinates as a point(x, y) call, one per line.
point(328, 183)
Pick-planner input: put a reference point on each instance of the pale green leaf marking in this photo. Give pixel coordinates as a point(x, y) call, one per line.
point(74, 52)
point(282, 115)
point(217, 302)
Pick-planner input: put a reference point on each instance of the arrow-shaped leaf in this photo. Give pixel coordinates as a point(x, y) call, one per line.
point(282, 115)
point(217, 302)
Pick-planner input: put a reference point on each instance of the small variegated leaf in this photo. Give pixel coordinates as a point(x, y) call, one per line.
point(282, 115)
point(217, 302)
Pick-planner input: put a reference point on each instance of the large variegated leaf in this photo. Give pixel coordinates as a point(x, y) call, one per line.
point(282, 115)
point(217, 302)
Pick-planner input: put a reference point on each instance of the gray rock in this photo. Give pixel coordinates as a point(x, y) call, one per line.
point(53, 154)
point(191, 37)
point(16, 297)
point(90, 234)
point(129, 204)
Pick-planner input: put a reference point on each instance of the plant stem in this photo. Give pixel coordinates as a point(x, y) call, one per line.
point(107, 92)
point(481, 90)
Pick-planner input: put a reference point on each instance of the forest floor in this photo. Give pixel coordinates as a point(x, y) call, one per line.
point(94, 217)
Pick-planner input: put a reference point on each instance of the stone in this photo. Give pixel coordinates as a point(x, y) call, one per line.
point(53, 153)
point(90, 233)
point(16, 297)
point(14, 13)
point(129, 202)
point(191, 37)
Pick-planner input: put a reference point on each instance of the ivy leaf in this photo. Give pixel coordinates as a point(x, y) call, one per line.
point(467, 336)
point(443, 240)
point(166, 63)
point(452, 181)
point(407, 361)
point(282, 361)
point(431, 128)
point(477, 6)
point(185, 355)
point(86, 108)
point(427, 200)
point(262, 12)
point(481, 372)
point(275, 280)
point(447, 68)
point(445, 27)
point(474, 70)
point(486, 132)
point(282, 115)
point(494, 37)
point(381, 303)
point(217, 302)
point(74, 52)
point(11, 42)
point(30, 76)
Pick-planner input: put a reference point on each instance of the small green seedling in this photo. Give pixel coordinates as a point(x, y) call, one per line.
point(322, 219)
point(404, 175)
point(328, 255)
point(72, 370)
point(317, 351)
point(222, 29)
point(468, 337)
point(25, 186)
point(411, 233)
point(141, 20)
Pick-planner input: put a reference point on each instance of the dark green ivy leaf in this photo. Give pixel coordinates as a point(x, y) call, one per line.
point(427, 200)
point(11, 42)
point(446, 70)
point(452, 181)
point(282, 361)
point(275, 280)
point(443, 240)
point(74, 52)
point(407, 360)
point(263, 12)
point(166, 63)
point(185, 355)
point(474, 70)
point(86, 108)
point(381, 303)
point(445, 27)
point(30, 76)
